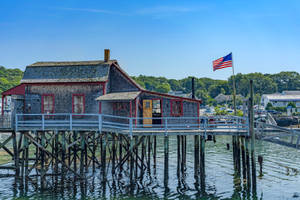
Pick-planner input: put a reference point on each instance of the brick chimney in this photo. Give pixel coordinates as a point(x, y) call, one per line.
point(106, 55)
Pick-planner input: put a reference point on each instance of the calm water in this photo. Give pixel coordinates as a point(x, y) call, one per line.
point(280, 180)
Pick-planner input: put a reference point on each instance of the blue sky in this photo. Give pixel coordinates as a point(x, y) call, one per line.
point(171, 38)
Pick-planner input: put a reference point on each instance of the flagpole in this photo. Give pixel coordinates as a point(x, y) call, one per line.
point(234, 91)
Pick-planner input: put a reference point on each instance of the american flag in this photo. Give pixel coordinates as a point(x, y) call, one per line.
point(223, 62)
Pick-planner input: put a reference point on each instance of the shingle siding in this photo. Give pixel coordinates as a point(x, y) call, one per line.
point(118, 83)
point(63, 97)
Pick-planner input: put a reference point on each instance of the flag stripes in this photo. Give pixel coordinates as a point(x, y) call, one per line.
point(222, 62)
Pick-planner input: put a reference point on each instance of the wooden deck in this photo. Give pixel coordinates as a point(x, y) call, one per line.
point(216, 125)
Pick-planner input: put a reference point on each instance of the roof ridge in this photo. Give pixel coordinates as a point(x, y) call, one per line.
point(70, 63)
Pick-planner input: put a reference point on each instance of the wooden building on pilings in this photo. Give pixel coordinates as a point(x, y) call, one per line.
point(99, 86)
point(57, 104)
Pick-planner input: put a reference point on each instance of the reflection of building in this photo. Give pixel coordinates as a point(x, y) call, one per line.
point(282, 99)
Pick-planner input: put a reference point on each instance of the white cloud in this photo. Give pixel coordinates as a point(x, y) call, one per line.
point(93, 11)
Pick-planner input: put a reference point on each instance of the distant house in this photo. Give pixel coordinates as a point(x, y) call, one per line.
point(180, 94)
point(222, 98)
point(99, 86)
point(281, 99)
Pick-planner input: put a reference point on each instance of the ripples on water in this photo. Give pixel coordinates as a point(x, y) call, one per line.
point(280, 180)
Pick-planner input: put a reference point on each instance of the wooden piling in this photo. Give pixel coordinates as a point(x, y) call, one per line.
point(16, 153)
point(113, 162)
point(136, 156)
point(63, 152)
point(202, 162)
point(94, 151)
point(103, 170)
point(248, 162)
point(82, 145)
point(196, 154)
point(75, 150)
point(252, 134)
point(149, 153)
point(243, 151)
point(178, 156)
point(154, 152)
point(131, 161)
point(56, 152)
point(182, 154)
point(26, 146)
point(43, 171)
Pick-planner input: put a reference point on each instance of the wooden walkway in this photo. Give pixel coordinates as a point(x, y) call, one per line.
point(279, 135)
point(215, 125)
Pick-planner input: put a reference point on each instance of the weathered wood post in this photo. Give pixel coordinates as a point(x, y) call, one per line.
point(196, 154)
point(69, 148)
point(56, 152)
point(182, 154)
point(63, 154)
point(120, 152)
point(202, 162)
point(252, 134)
point(178, 156)
point(16, 153)
point(136, 156)
point(26, 146)
point(142, 158)
point(43, 171)
point(82, 145)
point(113, 154)
point(154, 152)
point(103, 153)
point(243, 151)
point(149, 154)
point(75, 150)
point(94, 151)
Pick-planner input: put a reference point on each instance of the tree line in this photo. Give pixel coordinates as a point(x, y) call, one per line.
point(9, 78)
point(207, 89)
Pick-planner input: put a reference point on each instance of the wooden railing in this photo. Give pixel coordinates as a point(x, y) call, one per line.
point(128, 125)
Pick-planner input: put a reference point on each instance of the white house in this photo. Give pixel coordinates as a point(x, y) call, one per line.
point(281, 99)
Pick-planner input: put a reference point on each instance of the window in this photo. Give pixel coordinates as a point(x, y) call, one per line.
point(156, 106)
point(176, 107)
point(78, 102)
point(48, 103)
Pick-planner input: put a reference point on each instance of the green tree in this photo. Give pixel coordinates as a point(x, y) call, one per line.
point(269, 106)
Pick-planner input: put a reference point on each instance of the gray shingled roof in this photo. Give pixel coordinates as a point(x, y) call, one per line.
point(118, 96)
point(81, 71)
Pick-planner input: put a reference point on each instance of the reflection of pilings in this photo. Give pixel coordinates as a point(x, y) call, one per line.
point(202, 162)
point(248, 162)
point(166, 166)
point(183, 138)
point(243, 158)
point(178, 156)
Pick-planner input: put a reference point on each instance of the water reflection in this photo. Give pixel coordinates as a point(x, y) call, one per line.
point(280, 178)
